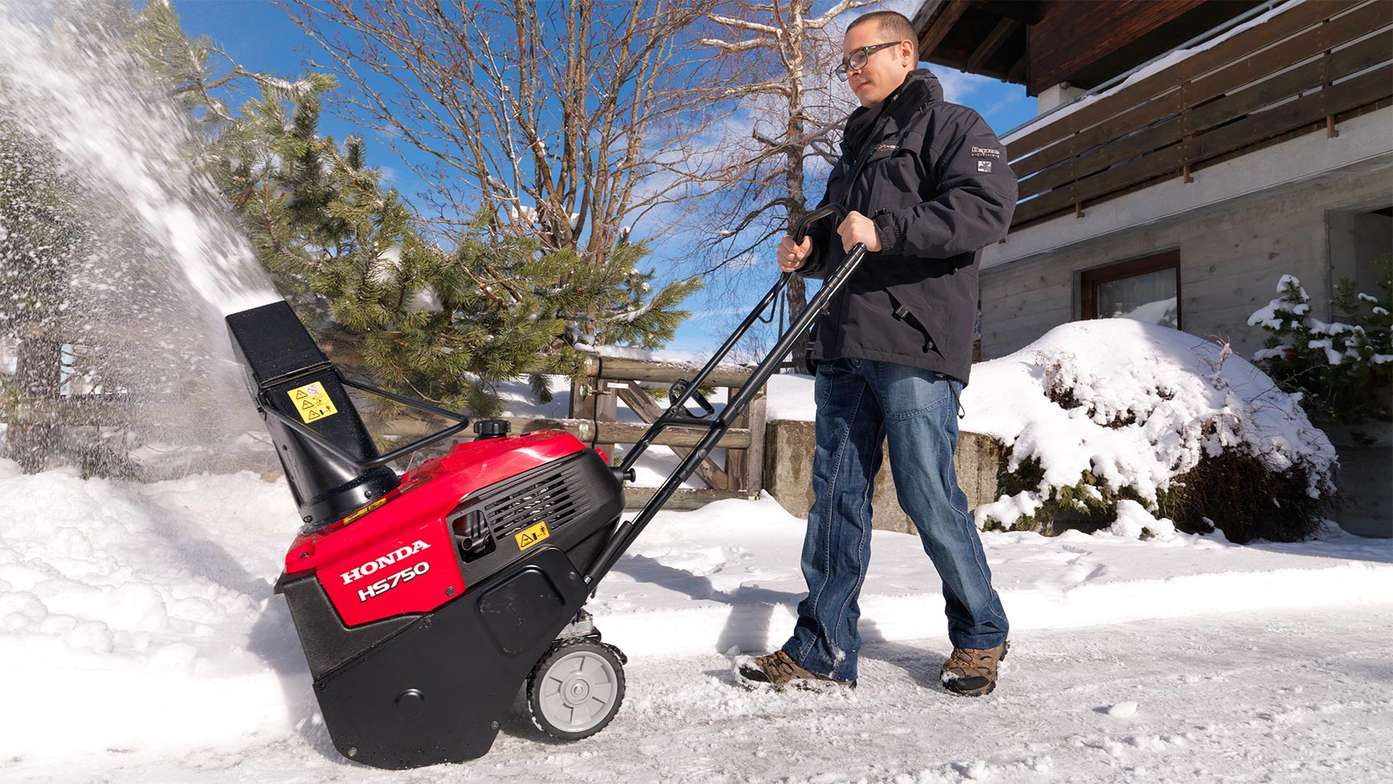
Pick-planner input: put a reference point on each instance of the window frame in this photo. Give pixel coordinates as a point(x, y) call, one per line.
point(1091, 279)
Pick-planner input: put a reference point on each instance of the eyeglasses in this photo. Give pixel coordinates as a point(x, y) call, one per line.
point(858, 58)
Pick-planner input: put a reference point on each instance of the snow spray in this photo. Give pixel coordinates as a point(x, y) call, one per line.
point(72, 85)
point(154, 257)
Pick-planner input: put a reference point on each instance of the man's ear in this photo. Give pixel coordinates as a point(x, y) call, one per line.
point(907, 49)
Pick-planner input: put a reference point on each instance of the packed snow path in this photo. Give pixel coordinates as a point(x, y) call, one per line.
point(1297, 697)
point(138, 635)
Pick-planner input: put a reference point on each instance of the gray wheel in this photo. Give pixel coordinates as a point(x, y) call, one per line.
point(575, 690)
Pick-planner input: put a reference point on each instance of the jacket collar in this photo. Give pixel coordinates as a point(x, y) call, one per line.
point(919, 87)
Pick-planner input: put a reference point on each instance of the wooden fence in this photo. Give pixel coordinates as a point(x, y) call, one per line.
point(1308, 68)
point(595, 396)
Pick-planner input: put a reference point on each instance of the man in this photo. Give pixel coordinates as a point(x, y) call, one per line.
point(926, 186)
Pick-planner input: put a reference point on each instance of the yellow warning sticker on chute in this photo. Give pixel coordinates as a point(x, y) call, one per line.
point(312, 402)
point(532, 535)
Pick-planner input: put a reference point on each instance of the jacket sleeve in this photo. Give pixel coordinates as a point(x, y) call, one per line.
point(973, 208)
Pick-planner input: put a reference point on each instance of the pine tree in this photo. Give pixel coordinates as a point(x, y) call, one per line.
point(1343, 370)
point(444, 317)
point(447, 325)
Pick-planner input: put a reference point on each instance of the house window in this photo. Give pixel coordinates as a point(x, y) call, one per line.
point(1145, 289)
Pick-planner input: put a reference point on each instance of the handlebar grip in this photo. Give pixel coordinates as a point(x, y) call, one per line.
point(800, 228)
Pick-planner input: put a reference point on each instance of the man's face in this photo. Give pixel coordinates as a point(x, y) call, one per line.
point(884, 71)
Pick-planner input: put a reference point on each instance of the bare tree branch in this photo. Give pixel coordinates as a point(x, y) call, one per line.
point(835, 11)
point(743, 46)
point(745, 24)
point(784, 82)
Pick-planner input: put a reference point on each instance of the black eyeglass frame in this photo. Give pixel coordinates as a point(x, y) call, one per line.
point(844, 70)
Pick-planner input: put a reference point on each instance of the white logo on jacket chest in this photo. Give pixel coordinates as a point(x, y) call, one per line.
point(984, 166)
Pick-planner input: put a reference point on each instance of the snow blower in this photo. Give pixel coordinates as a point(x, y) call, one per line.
point(424, 602)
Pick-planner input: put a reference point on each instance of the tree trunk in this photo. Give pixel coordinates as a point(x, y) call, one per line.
point(796, 292)
point(37, 371)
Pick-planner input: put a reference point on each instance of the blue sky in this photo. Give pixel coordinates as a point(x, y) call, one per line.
point(260, 36)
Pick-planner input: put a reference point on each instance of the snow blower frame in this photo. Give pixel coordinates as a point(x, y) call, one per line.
point(423, 602)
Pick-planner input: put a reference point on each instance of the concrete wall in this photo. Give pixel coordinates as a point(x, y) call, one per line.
point(1231, 256)
point(1357, 240)
point(788, 468)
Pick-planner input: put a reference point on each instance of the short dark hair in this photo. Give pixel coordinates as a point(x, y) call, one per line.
point(891, 22)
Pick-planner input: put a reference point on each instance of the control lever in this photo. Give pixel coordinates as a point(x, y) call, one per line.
point(679, 388)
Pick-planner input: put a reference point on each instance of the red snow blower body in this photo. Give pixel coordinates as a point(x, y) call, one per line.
point(424, 602)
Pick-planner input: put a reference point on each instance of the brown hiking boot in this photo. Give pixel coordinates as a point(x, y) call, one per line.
point(778, 669)
point(971, 672)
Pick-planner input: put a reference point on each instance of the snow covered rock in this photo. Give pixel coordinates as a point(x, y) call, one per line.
point(1099, 411)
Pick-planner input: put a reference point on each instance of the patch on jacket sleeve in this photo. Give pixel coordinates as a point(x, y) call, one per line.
point(985, 152)
point(984, 166)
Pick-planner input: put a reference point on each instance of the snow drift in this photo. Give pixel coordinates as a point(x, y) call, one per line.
point(129, 608)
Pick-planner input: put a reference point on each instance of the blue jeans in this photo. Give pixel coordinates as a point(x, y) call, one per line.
point(861, 402)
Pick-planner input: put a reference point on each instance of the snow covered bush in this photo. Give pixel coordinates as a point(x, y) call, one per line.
point(1098, 413)
point(1342, 371)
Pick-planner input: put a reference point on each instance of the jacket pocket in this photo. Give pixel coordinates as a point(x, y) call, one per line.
point(904, 313)
point(892, 178)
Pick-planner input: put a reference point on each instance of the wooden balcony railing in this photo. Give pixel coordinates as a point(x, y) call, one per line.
point(1301, 71)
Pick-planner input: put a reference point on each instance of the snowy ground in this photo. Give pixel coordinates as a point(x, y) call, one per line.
point(139, 641)
point(1273, 697)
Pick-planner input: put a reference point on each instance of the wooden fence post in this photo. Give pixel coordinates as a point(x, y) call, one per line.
point(753, 480)
point(735, 458)
point(606, 410)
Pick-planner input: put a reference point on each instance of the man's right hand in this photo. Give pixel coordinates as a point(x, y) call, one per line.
point(793, 255)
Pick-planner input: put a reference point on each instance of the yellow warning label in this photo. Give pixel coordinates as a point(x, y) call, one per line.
point(362, 510)
point(312, 402)
point(532, 535)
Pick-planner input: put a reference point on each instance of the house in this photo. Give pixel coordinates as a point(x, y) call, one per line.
point(1186, 154)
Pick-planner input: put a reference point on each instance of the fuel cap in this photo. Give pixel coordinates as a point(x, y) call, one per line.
point(491, 428)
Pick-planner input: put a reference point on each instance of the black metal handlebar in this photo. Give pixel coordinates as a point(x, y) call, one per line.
point(677, 414)
point(800, 228)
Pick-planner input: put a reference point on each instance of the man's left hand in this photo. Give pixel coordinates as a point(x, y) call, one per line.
point(858, 228)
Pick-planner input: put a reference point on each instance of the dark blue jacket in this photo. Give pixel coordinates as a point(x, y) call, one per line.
point(933, 177)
